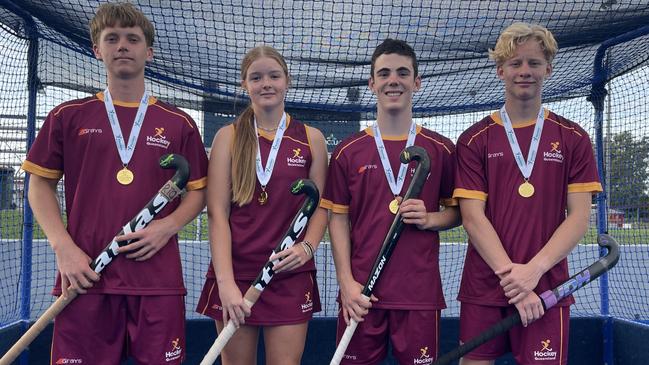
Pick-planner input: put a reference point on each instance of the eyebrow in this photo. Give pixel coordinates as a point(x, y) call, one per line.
point(400, 69)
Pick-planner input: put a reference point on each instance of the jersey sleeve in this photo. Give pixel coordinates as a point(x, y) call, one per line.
point(447, 184)
point(45, 157)
point(583, 176)
point(336, 196)
point(470, 179)
point(194, 151)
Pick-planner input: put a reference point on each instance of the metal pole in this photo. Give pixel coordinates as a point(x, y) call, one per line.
point(28, 218)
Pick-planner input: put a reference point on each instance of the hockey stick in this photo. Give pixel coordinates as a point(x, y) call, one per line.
point(421, 173)
point(549, 299)
point(298, 225)
point(168, 192)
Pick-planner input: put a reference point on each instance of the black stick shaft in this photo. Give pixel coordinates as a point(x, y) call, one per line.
point(421, 173)
point(168, 192)
point(298, 225)
point(549, 298)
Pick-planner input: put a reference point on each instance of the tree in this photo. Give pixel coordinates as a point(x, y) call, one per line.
point(628, 174)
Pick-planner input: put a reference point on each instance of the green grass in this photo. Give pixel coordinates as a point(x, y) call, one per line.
point(11, 228)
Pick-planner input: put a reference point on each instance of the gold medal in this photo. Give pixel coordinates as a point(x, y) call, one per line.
point(526, 189)
point(263, 197)
point(125, 176)
point(394, 206)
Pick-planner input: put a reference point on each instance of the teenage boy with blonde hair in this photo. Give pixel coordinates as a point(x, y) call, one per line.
point(518, 171)
point(107, 146)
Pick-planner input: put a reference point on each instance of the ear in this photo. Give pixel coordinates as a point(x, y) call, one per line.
point(96, 51)
point(417, 83)
point(244, 86)
point(500, 72)
point(149, 54)
point(548, 71)
point(370, 84)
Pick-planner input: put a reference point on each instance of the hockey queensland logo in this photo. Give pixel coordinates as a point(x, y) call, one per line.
point(176, 351)
point(158, 139)
point(307, 306)
point(545, 353)
point(296, 159)
point(555, 154)
point(424, 357)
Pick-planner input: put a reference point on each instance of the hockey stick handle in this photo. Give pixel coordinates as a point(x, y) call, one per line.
point(549, 298)
point(295, 230)
point(411, 153)
point(222, 339)
point(345, 339)
point(169, 191)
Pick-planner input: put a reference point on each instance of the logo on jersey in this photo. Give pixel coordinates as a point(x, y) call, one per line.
point(158, 139)
point(364, 168)
point(64, 360)
point(217, 307)
point(84, 131)
point(297, 160)
point(545, 353)
point(424, 358)
point(308, 303)
point(175, 352)
point(495, 154)
point(554, 155)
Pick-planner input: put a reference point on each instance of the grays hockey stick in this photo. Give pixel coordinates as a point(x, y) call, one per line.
point(421, 173)
point(169, 191)
point(549, 298)
point(298, 225)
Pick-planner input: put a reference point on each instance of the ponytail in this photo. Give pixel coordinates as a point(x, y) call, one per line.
point(244, 152)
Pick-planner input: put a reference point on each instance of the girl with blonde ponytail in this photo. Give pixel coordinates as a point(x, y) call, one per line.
point(252, 165)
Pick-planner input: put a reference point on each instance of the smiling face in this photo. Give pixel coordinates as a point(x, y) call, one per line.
point(394, 82)
point(124, 52)
point(266, 83)
point(525, 72)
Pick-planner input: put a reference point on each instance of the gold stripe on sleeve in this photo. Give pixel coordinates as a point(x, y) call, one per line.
point(197, 184)
point(589, 187)
point(469, 194)
point(33, 168)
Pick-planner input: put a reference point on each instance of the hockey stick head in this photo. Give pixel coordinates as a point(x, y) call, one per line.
point(613, 255)
point(308, 187)
point(416, 153)
point(178, 162)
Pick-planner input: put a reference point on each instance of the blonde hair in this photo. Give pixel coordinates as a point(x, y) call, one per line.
point(123, 15)
point(244, 149)
point(519, 33)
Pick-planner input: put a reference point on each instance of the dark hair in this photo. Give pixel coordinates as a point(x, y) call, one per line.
point(394, 46)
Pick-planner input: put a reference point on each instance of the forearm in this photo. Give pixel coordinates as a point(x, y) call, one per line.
point(221, 247)
point(191, 205)
point(567, 235)
point(483, 237)
point(317, 227)
point(341, 247)
point(42, 199)
point(448, 217)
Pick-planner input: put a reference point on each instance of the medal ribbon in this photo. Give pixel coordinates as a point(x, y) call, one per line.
point(523, 166)
point(395, 184)
point(125, 151)
point(264, 173)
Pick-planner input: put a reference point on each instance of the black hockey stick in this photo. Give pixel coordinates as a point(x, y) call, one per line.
point(169, 191)
point(549, 299)
point(421, 173)
point(298, 225)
